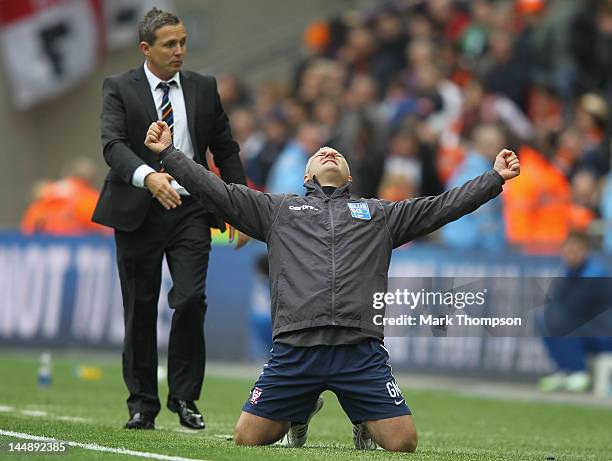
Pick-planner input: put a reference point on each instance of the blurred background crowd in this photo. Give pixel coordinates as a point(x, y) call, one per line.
point(420, 96)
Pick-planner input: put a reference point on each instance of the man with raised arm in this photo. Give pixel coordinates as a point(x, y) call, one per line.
point(326, 250)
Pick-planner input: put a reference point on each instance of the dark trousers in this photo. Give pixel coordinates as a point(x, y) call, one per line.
point(183, 235)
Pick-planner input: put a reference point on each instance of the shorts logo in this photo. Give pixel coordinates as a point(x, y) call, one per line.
point(359, 210)
point(255, 395)
point(395, 392)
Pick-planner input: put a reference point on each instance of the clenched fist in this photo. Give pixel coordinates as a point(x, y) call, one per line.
point(159, 137)
point(507, 164)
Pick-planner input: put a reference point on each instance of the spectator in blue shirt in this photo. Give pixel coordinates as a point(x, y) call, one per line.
point(484, 228)
point(287, 173)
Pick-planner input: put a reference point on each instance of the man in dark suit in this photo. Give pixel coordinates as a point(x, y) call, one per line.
point(154, 216)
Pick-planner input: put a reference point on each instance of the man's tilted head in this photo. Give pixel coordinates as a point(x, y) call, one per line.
point(329, 166)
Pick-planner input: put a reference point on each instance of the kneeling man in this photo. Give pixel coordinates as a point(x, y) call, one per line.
point(327, 253)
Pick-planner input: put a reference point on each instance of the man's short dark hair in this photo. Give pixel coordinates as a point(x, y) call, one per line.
point(153, 20)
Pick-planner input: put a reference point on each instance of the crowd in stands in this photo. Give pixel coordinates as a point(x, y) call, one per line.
point(419, 96)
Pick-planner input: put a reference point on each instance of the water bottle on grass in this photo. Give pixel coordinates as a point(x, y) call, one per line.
point(44, 370)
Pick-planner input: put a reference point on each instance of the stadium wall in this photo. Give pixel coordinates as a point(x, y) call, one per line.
point(64, 293)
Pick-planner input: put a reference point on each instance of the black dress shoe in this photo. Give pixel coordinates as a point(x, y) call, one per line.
point(189, 415)
point(140, 421)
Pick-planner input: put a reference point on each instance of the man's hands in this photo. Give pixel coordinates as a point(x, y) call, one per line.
point(159, 137)
point(507, 164)
point(159, 185)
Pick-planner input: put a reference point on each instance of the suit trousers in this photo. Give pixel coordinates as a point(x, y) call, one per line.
point(183, 236)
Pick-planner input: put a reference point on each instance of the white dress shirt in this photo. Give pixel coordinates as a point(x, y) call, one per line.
point(181, 138)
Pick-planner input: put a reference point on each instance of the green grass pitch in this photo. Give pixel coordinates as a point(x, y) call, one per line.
point(451, 427)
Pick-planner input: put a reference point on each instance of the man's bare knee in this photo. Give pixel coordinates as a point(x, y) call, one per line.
point(241, 435)
point(394, 434)
point(407, 444)
point(244, 438)
point(254, 430)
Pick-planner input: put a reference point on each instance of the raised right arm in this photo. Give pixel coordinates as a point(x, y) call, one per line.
point(250, 211)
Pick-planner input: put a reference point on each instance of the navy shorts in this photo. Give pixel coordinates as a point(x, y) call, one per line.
point(358, 374)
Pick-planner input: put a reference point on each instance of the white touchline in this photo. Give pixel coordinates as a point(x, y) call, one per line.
point(42, 414)
point(96, 447)
point(33, 413)
point(73, 419)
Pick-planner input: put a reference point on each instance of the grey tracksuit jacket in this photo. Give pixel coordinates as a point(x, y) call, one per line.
point(327, 255)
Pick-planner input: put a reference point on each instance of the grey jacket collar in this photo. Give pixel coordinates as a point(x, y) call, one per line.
point(314, 188)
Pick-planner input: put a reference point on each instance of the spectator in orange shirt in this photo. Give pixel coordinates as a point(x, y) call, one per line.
point(64, 207)
point(537, 206)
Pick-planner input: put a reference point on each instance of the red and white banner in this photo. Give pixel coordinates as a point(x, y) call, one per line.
point(48, 45)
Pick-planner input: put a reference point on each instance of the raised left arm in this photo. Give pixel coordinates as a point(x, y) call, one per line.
point(409, 219)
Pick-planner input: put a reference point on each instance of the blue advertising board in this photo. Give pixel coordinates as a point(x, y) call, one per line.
point(64, 292)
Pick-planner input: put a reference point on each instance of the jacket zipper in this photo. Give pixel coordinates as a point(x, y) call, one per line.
point(333, 261)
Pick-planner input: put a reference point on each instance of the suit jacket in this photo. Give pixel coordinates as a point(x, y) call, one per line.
point(127, 112)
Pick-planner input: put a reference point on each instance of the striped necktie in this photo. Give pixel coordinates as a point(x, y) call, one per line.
point(166, 106)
